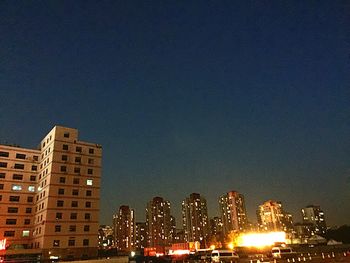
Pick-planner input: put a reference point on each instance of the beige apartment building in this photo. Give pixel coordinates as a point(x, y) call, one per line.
point(50, 197)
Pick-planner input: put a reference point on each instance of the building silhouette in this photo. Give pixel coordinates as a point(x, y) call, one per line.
point(124, 229)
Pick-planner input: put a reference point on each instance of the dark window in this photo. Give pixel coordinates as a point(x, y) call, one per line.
point(88, 192)
point(90, 161)
point(32, 178)
point(86, 228)
point(4, 154)
point(11, 221)
point(57, 228)
point(85, 242)
point(12, 210)
point(19, 166)
point(71, 242)
point(58, 215)
point(65, 147)
point(73, 216)
point(3, 165)
point(78, 149)
point(27, 221)
point(74, 203)
point(90, 171)
point(87, 204)
point(61, 191)
point(62, 180)
point(30, 199)
point(91, 150)
point(0, 197)
point(72, 228)
point(56, 243)
point(63, 169)
point(64, 158)
point(76, 181)
point(35, 158)
point(34, 168)
point(14, 198)
point(9, 233)
point(20, 156)
point(60, 203)
point(66, 135)
point(17, 176)
point(2, 175)
point(78, 159)
point(28, 210)
point(77, 170)
point(75, 192)
point(1, 186)
point(87, 216)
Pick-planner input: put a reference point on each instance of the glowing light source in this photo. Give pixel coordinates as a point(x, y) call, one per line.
point(3, 244)
point(261, 239)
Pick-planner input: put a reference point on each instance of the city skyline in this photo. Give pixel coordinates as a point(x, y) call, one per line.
point(188, 97)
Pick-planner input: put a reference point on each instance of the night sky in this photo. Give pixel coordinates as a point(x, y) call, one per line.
point(188, 96)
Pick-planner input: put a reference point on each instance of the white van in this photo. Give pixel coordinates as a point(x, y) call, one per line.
point(218, 256)
point(282, 252)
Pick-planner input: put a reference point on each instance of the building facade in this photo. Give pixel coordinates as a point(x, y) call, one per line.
point(195, 219)
point(140, 236)
point(313, 214)
point(233, 212)
point(272, 217)
point(124, 229)
point(58, 192)
point(158, 223)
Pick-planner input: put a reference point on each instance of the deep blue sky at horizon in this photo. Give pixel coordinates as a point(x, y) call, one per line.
point(188, 96)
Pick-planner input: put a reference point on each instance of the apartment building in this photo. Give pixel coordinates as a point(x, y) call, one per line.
point(58, 191)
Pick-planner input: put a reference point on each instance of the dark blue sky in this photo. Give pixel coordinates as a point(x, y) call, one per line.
point(188, 96)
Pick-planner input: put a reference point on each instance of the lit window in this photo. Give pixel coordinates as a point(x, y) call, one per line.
point(89, 182)
point(25, 233)
point(16, 187)
point(31, 188)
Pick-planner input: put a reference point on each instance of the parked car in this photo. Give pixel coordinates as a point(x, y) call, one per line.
point(224, 256)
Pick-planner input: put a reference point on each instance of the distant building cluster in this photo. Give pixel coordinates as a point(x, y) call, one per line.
point(160, 230)
point(50, 197)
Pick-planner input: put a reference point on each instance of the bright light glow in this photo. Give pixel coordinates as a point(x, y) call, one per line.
point(261, 239)
point(159, 254)
point(231, 246)
point(132, 254)
point(212, 247)
point(89, 182)
point(3, 244)
point(179, 252)
point(53, 257)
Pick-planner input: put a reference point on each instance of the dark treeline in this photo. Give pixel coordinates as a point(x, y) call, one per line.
point(340, 234)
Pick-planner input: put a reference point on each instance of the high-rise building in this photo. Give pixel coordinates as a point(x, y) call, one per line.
point(272, 217)
point(313, 214)
point(140, 236)
point(216, 230)
point(195, 218)
point(158, 223)
point(105, 236)
point(50, 196)
point(233, 212)
point(124, 229)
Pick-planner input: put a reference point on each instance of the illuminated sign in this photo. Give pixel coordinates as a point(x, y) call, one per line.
point(3, 244)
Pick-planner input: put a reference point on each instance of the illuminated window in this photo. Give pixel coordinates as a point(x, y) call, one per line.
point(89, 182)
point(31, 188)
point(56, 243)
point(16, 187)
point(25, 233)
